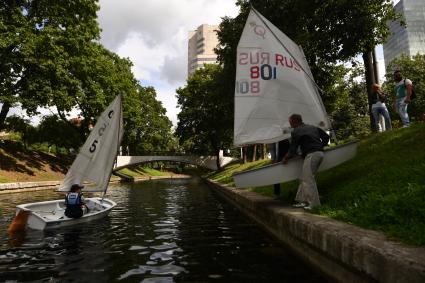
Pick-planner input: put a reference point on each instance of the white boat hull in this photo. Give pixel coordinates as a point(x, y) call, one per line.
point(280, 173)
point(51, 214)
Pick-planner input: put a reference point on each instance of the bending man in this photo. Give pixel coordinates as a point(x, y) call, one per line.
point(310, 140)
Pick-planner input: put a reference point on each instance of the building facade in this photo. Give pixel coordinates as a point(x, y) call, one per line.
point(408, 40)
point(202, 42)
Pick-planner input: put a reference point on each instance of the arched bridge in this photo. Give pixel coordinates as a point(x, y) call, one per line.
point(203, 161)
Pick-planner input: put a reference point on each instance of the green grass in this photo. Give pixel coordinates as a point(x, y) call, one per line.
point(382, 188)
point(140, 171)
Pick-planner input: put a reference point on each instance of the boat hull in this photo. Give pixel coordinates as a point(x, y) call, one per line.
point(280, 173)
point(51, 214)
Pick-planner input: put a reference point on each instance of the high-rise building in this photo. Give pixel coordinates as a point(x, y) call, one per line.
point(408, 40)
point(202, 42)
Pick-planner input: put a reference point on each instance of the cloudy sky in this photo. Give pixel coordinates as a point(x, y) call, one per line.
point(154, 35)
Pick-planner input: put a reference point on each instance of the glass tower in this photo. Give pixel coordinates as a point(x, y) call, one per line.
point(408, 40)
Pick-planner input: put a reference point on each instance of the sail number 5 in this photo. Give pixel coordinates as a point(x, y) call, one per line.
point(100, 132)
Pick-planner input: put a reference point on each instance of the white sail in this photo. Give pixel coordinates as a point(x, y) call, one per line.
point(95, 160)
point(273, 81)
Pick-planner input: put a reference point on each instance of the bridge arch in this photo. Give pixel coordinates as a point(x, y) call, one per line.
point(203, 161)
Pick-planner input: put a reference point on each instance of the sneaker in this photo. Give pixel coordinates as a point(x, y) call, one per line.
point(299, 205)
point(307, 208)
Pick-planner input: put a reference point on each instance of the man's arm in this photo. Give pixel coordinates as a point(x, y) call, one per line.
point(292, 148)
point(409, 88)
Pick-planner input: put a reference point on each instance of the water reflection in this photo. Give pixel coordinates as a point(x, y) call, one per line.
point(160, 231)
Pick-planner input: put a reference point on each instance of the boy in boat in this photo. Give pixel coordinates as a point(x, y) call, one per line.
point(74, 201)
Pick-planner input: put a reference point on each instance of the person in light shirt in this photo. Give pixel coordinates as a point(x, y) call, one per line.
point(403, 91)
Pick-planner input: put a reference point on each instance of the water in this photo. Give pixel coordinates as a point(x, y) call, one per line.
point(160, 231)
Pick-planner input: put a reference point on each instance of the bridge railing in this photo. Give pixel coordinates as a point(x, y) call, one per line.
point(156, 153)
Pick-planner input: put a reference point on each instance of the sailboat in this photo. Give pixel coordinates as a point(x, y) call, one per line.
point(273, 81)
point(94, 165)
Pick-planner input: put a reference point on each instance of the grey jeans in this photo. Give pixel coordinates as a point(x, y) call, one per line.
point(307, 190)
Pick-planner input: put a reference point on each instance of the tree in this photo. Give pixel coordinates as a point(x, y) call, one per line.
point(23, 127)
point(205, 121)
point(41, 41)
point(329, 31)
point(49, 56)
point(148, 129)
point(54, 131)
point(350, 112)
point(412, 68)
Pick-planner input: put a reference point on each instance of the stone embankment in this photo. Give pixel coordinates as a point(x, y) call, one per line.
point(343, 252)
point(7, 188)
point(18, 187)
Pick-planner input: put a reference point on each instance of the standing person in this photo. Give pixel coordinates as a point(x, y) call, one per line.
point(278, 151)
point(403, 91)
point(311, 141)
point(74, 201)
point(377, 101)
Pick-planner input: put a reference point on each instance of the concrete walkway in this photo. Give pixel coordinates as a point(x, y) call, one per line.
point(343, 252)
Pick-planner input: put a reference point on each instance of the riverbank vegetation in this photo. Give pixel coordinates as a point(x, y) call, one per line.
point(382, 188)
point(35, 164)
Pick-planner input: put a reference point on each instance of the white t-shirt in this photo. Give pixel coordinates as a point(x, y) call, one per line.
point(400, 88)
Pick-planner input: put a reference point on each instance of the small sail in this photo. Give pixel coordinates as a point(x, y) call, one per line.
point(273, 81)
point(96, 158)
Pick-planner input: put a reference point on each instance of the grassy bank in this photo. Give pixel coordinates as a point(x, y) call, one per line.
point(18, 164)
point(382, 188)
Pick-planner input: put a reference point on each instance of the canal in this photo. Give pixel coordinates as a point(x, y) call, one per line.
point(175, 230)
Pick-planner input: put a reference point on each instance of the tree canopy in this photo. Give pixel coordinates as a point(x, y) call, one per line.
point(42, 42)
point(50, 57)
point(330, 32)
point(205, 121)
point(148, 129)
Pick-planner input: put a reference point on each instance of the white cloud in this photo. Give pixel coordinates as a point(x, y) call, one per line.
point(153, 35)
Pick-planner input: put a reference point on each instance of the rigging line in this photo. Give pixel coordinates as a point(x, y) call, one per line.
point(286, 49)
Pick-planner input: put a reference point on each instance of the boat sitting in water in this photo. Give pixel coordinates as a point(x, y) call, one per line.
point(93, 165)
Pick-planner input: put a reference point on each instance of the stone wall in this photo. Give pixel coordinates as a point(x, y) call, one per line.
point(343, 252)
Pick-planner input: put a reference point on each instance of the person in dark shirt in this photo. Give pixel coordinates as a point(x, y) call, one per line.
point(74, 201)
point(311, 140)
